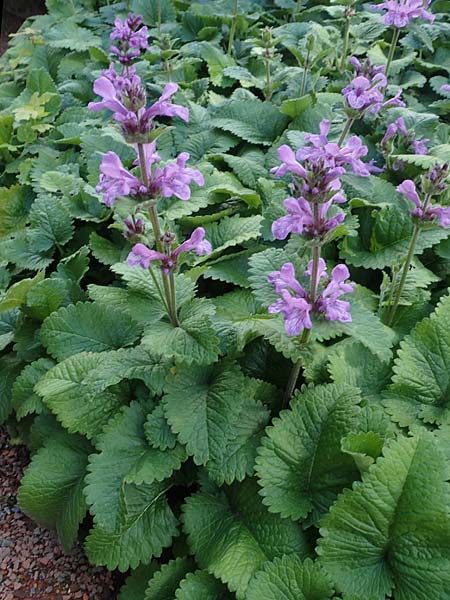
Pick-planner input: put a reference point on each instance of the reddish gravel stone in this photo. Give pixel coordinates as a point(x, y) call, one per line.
point(33, 565)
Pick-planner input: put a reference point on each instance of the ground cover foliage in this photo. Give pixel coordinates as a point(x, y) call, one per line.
point(167, 446)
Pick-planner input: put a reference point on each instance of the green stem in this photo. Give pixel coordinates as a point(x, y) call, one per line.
point(158, 287)
point(392, 50)
point(233, 28)
point(346, 40)
point(401, 285)
point(349, 123)
point(305, 72)
point(159, 19)
point(295, 372)
point(268, 93)
point(157, 234)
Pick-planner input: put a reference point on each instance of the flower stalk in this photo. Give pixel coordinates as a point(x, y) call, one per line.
point(233, 28)
point(394, 42)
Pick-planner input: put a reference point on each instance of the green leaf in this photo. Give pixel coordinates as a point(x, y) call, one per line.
point(136, 582)
point(217, 61)
point(14, 205)
point(233, 535)
point(89, 327)
point(193, 341)
point(251, 120)
point(9, 320)
point(16, 296)
point(202, 586)
point(24, 398)
point(69, 35)
point(46, 297)
point(392, 531)
point(364, 447)
point(300, 465)
point(421, 381)
point(372, 190)
point(133, 522)
point(51, 223)
point(10, 368)
point(164, 583)
point(288, 578)
point(352, 363)
point(232, 231)
point(388, 242)
point(219, 420)
point(157, 430)
point(78, 406)
point(51, 491)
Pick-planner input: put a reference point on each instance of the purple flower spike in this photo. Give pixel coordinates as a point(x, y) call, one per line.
point(401, 12)
point(426, 212)
point(329, 303)
point(131, 38)
point(116, 181)
point(445, 88)
point(196, 242)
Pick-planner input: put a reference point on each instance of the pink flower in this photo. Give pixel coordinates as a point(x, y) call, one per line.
point(401, 12)
point(131, 37)
point(142, 256)
point(296, 312)
point(300, 219)
point(196, 242)
point(408, 189)
point(328, 301)
point(174, 179)
point(288, 163)
point(116, 181)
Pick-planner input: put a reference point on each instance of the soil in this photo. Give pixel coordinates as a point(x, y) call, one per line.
point(33, 566)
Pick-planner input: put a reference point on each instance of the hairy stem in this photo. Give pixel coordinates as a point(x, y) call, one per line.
point(171, 309)
point(347, 127)
point(401, 285)
point(233, 28)
point(305, 73)
point(392, 50)
point(159, 19)
point(295, 372)
point(268, 92)
point(346, 40)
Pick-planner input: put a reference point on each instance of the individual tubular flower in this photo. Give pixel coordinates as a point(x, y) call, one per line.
point(296, 305)
point(400, 13)
point(142, 256)
point(131, 38)
point(116, 181)
point(172, 180)
point(425, 211)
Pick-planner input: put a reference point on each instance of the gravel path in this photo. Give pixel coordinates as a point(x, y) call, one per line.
point(33, 565)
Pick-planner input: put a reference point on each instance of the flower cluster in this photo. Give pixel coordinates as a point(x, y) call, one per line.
point(125, 96)
point(406, 138)
point(317, 183)
point(433, 184)
point(131, 38)
point(296, 304)
point(142, 256)
point(172, 180)
point(366, 91)
point(400, 13)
